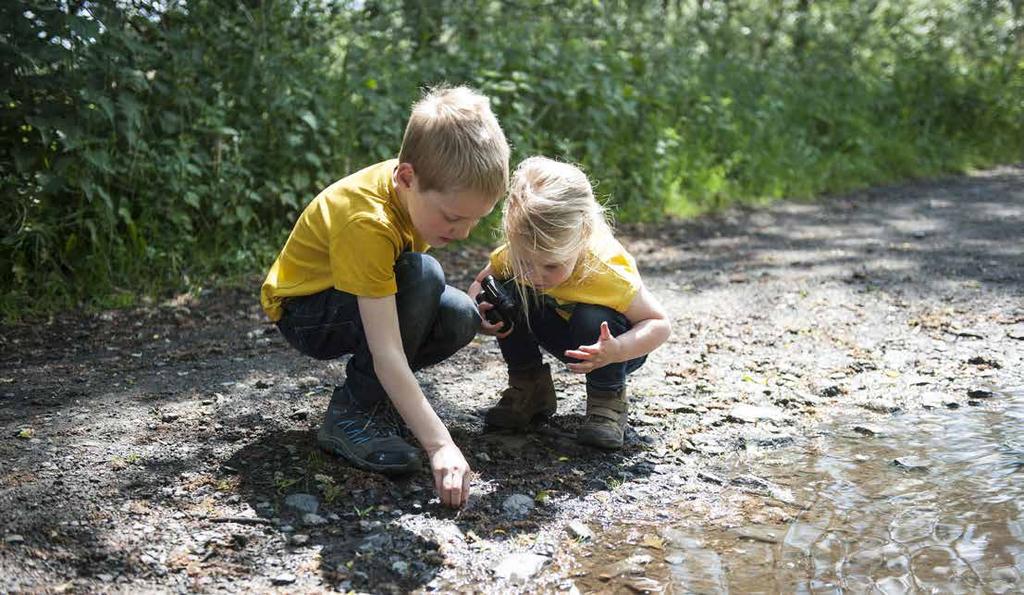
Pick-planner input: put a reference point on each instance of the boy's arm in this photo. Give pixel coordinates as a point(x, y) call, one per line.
point(450, 469)
point(650, 329)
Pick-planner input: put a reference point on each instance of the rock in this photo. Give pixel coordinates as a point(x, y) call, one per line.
point(753, 413)
point(285, 578)
point(299, 539)
point(307, 382)
point(400, 567)
point(980, 393)
point(759, 533)
point(517, 506)
point(911, 463)
point(631, 565)
point(579, 530)
point(483, 457)
point(13, 538)
point(299, 415)
point(313, 519)
point(304, 503)
point(643, 584)
point(868, 430)
point(520, 567)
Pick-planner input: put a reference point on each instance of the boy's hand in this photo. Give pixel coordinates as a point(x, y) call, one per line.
point(607, 350)
point(451, 475)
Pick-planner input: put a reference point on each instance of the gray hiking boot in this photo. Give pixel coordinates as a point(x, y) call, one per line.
point(605, 423)
point(366, 438)
point(530, 394)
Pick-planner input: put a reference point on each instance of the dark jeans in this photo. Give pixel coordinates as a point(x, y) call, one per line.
point(555, 334)
point(435, 321)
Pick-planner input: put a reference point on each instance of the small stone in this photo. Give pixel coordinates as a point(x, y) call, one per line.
point(867, 430)
point(980, 393)
point(285, 578)
point(169, 417)
point(911, 463)
point(305, 503)
point(13, 538)
point(299, 539)
point(520, 567)
point(754, 414)
point(313, 519)
point(517, 506)
point(483, 457)
point(579, 530)
point(400, 567)
point(299, 415)
point(307, 382)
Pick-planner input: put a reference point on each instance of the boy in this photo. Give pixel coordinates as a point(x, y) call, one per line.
point(352, 278)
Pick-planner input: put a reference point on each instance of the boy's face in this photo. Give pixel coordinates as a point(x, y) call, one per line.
point(443, 217)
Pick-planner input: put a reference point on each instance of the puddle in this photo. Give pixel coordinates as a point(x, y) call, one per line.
point(930, 501)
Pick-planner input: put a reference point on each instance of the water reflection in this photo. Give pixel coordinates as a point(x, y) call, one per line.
point(931, 502)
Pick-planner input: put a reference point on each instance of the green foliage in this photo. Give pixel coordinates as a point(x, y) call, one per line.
point(148, 144)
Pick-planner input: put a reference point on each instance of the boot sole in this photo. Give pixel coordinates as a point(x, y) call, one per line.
point(338, 448)
point(536, 419)
point(599, 441)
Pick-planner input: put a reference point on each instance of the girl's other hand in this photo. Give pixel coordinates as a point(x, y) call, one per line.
point(607, 350)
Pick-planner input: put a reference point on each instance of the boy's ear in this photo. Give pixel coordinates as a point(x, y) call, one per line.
point(405, 176)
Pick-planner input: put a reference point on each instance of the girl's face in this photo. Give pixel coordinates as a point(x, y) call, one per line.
point(545, 272)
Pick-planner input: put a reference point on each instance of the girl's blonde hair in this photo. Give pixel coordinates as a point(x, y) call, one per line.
point(550, 210)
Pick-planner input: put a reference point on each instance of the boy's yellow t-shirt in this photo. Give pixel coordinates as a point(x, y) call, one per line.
point(606, 276)
point(348, 238)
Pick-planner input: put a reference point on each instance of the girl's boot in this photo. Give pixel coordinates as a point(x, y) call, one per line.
point(530, 394)
point(605, 423)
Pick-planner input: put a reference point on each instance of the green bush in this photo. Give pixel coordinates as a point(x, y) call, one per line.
point(149, 145)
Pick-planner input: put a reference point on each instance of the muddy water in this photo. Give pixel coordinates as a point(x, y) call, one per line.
point(926, 502)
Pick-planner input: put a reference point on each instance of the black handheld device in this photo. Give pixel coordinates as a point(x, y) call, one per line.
point(504, 309)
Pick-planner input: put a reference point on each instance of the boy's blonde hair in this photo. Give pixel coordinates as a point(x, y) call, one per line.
point(550, 210)
point(455, 143)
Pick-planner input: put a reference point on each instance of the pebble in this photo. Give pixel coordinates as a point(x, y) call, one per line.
point(305, 503)
point(285, 578)
point(400, 567)
point(313, 519)
point(299, 539)
point(911, 463)
point(980, 393)
point(520, 567)
point(13, 538)
point(579, 530)
point(517, 506)
point(868, 430)
point(754, 414)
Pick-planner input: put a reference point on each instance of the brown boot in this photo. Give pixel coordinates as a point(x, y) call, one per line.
point(529, 394)
point(605, 423)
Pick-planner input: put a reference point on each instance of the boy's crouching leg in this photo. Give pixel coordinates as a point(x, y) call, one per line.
point(366, 436)
point(454, 327)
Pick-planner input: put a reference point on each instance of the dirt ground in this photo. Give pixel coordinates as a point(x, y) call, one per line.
point(156, 448)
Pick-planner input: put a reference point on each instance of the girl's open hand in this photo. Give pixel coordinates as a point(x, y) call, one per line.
point(607, 350)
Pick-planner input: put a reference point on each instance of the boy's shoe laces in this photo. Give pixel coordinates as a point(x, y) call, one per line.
point(362, 426)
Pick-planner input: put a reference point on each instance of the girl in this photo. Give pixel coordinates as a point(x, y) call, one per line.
point(578, 295)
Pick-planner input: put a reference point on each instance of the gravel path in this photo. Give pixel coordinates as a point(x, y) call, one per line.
point(170, 447)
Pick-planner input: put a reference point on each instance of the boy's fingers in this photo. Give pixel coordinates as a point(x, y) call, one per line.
point(466, 480)
point(576, 354)
point(605, 332)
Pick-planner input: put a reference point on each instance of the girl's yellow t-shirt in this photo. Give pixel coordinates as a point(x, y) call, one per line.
point(348, 238)
point(606, 276)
